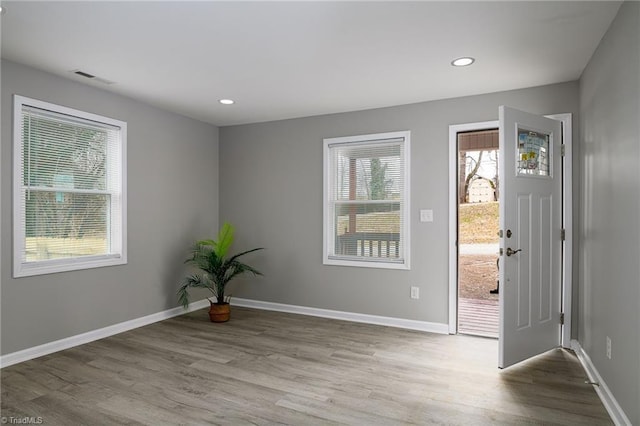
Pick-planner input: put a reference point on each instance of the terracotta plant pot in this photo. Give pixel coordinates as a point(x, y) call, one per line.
point(219, 312)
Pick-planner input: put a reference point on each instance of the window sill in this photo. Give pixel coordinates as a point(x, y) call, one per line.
point(64, 265)
point(377, 264)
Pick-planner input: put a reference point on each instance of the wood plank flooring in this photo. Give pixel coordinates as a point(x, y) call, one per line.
point(274, 368)
point(478, 317)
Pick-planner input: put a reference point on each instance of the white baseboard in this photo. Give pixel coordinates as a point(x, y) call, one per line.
point(90, 336)
point(613, 408)
point(430, 327)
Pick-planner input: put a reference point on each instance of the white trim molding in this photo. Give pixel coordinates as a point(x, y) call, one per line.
point(567, 223)
point(608, 400)
point(28, 112)
point(90, 336)
point(364, 144)
point(454, 129)
point(430, 327)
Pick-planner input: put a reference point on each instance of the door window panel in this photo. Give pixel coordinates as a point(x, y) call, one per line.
point(533, 154)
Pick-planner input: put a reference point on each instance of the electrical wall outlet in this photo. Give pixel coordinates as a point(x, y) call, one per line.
point(608, 347)
point(415, 292)
point(426, 215)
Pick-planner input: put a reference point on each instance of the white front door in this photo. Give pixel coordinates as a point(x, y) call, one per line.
point(531, 245)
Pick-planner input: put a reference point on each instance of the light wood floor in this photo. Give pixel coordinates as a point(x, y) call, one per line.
point(267, 367)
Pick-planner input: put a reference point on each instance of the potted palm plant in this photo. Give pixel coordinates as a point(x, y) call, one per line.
point(217, 270)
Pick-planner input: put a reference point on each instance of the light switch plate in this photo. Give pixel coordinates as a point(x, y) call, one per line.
point(415, 292)
point(426, 215)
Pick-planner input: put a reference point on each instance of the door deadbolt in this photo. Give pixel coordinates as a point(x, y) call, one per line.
point(508, 233)
point(510, 251)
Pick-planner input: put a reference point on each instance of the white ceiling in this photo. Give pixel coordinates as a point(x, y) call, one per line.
point(282, 60)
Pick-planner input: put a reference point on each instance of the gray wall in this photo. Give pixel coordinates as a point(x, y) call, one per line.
point(172, 200)
point(271, 189)
point(610, 210)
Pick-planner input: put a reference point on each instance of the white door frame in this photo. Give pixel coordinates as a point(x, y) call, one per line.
point(454, 129)
point(567, 211)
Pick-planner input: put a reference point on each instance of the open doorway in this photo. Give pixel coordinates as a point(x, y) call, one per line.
point(567, 227)
point(477, 232)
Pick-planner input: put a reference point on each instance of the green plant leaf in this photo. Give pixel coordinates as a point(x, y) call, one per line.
point(225, 239)
point(245, 252)
point(183, 296)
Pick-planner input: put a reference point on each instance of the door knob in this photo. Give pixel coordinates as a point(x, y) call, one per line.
point(510, 251)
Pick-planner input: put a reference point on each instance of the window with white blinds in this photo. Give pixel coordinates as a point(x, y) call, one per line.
point(366, 200)
point(69, 189)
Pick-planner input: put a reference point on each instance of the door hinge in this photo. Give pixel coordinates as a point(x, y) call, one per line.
point(561, 318)
point(562, 149)
point(563, 234)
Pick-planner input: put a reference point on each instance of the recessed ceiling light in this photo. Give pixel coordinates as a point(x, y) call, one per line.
point(463, 62)
point(227, 101)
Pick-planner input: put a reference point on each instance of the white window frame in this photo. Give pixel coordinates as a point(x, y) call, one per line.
point(327, 212)
point(118, 240)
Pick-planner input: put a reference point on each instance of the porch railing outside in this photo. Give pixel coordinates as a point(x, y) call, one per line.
point(369, 244)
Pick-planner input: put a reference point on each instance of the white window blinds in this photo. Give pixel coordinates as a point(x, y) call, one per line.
point(69, 195)
point(366, 200)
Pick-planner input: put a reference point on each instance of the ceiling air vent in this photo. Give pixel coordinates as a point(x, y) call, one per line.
point(84, 74)
point(91, 77)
